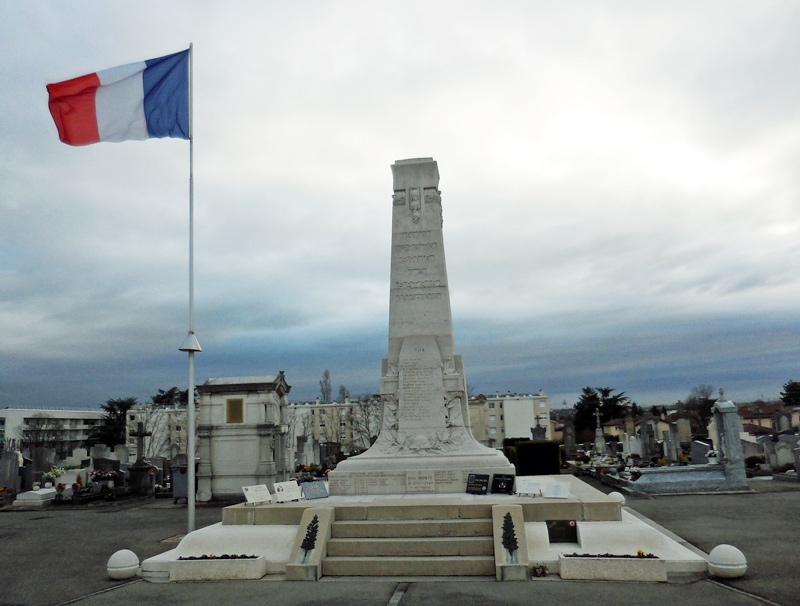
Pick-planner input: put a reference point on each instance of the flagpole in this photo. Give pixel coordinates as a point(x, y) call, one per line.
point(190, 344)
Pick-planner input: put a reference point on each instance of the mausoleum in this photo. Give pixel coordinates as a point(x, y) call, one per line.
point(241, 429)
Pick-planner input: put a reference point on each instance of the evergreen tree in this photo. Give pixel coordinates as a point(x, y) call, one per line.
point(509, 538)
point(310, 540)
point(790, 396)
point(111, 430)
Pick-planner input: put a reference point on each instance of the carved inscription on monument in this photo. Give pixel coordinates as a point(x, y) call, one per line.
point(421, 401)
point(420, 482)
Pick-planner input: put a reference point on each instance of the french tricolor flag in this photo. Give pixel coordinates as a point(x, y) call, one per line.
point(130, 102)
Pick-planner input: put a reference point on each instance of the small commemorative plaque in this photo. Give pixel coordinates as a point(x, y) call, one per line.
point(529, 486)
point(257, 494)
point(556, 490)
point(314, 490)
point(502, 483)
point(477, 483)
point(288, 491)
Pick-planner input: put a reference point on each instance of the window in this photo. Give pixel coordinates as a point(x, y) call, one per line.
point(492, 418)
point(322, 423)
point(322, 412)
point(491, 404)
point(501, 417)
point(493, 430)
point(234, 410)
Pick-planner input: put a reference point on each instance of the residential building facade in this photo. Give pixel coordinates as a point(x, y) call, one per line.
point(510, 415)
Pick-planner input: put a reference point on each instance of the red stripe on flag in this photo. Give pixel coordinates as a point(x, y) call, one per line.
point(73, 110)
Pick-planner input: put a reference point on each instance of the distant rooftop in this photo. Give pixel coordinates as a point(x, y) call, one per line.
point(242, 380)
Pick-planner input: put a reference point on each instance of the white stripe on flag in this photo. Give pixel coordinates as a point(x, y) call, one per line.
point(120, 108)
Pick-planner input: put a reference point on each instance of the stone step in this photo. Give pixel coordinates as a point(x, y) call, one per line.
point(409, 566)
point(437, 509)
point(406, 547)
point(412, 528)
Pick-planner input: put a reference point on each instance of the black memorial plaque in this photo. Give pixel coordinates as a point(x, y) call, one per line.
point(502, 483)
point(477, 483)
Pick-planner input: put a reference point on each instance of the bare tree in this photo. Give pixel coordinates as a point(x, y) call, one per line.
point(325, 387)
point(155, 420)
point(42, 431)
point(300, 424)
point(344, 393)
point(366, 419)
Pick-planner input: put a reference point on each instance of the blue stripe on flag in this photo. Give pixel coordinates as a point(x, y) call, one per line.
point(166, 96)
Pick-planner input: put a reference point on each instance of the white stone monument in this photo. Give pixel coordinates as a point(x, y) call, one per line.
point(425, 444)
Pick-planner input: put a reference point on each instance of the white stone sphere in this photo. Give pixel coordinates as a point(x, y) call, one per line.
point(124, 564)
point(617, 496)
point(727, 562)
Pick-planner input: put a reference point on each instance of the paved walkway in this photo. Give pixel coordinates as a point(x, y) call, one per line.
point(58, 556)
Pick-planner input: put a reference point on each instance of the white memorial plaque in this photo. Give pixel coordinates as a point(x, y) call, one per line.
point(556, 490)
point(288, 491)
point(529, 486)
point(257, 494)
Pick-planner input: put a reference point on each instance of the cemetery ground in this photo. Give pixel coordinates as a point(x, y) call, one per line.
point(57, 555)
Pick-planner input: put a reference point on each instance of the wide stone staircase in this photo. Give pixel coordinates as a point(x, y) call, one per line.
point(400, 544)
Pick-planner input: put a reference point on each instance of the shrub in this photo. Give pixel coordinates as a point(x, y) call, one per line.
point(754, 461)
point(536, 458)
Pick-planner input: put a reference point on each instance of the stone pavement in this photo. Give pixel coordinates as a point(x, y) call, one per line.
point(57, 556)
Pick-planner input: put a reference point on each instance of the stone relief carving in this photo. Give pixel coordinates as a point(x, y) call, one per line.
point(432, 196)
point(414, 203)
point(399, 197)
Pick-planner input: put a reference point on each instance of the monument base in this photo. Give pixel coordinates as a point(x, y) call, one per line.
point(409, 474)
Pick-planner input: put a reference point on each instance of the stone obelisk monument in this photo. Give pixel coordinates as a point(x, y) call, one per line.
point(425, 444)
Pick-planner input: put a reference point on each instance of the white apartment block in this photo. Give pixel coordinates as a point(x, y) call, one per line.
point(73, 426)
point(509, 415)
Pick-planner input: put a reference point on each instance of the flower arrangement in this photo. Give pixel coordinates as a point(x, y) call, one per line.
point(224, 556)
point(60, 487)
point(51, 475)
point(639, 554)
point(103, 474)
point(539, 570)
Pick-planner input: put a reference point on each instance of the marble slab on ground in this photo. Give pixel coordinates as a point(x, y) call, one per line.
point(36, 498)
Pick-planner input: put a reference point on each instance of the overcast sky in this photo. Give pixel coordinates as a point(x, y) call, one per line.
point(619, 186)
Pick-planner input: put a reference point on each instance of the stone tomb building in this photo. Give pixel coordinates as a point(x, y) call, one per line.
point(241, 429)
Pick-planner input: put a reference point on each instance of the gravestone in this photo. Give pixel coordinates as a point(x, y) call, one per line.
point(121, 452)
point(106, 464)
point(140, 480)
point(599, 438)
point(569, 437)
point(538, 432)
point(699, 451)
point(423, 388)
point(770, 453)
point(635, 446)
point(43, 460)
point(9, 471)
point(728, 423)
point(796, 453)
point(100, 451)
point(784, 449)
